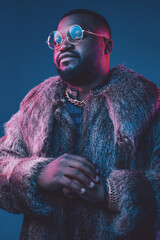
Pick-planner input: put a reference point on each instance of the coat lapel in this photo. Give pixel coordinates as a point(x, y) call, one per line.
point(130, 100)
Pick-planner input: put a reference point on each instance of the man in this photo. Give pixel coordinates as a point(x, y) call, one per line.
point(81, 157)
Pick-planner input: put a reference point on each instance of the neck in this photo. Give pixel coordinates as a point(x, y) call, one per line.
point(90, 83)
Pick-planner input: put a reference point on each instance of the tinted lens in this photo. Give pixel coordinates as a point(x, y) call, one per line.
point(55, 39)
point(74, 34)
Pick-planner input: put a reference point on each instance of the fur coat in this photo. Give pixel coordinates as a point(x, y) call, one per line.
point(120, 135)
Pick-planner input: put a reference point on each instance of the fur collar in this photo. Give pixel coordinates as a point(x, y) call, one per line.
point(132, 102)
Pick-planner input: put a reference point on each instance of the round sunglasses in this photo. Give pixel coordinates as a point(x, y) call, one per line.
point(74, 35)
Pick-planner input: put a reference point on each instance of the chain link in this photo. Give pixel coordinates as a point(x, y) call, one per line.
point(74, 101)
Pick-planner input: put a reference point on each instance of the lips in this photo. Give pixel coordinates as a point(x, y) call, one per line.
point(65, 55)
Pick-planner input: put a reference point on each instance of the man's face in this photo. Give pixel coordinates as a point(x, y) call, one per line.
point(75, 63)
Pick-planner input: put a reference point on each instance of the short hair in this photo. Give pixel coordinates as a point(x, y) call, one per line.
point(97, 17)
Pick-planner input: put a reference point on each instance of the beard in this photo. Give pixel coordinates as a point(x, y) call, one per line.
point(76, 75)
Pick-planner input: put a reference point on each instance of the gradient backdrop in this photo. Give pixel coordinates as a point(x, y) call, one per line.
point(25, 59)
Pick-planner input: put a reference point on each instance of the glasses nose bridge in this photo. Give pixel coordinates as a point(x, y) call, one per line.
point(65, 43)
point(64, 38)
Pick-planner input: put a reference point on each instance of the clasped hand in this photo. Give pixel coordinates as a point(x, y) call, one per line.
point(75, 175)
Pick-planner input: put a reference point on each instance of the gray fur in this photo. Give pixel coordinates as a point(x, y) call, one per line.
point(120, 135)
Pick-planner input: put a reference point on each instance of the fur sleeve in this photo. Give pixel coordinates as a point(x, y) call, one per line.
point(19, 192)
point(138, 195)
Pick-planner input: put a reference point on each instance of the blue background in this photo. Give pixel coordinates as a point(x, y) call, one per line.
point(25, 59)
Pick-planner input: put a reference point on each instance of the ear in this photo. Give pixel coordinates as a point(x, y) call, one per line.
point(108, 46)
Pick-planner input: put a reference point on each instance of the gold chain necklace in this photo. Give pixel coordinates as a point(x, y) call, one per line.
point(74, 101)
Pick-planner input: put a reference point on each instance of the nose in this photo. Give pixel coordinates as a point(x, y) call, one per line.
point(65, 45)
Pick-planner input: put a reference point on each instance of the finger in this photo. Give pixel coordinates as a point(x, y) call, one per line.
point(83, 167)
point(87, 167)
point(68, 193)
point(73, 185)
point(83, 160)
point(76, 174)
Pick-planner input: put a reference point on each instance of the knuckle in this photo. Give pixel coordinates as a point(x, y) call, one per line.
point(76, 172)
point(62, 162)
point(57, 179)
point(68, 182)
point(63, 159)
point(83, 165)
point(64, 156)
